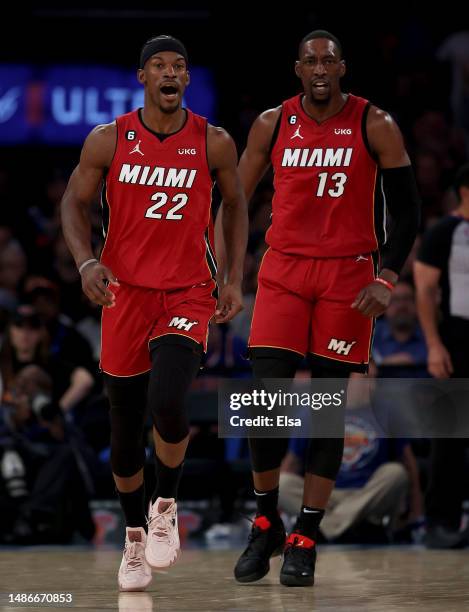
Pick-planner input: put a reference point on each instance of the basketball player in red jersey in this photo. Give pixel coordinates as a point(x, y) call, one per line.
point(339, 163)
point(155, 280)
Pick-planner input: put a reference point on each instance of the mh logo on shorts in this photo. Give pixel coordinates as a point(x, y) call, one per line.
point(182, 323)
point(341, 347)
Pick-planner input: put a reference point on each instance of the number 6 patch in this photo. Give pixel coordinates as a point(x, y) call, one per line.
point(131, 134)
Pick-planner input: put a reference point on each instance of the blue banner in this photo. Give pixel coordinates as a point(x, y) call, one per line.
point(61, 104)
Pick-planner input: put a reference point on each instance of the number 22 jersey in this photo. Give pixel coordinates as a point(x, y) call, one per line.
point(156, 200)
point(328, 200)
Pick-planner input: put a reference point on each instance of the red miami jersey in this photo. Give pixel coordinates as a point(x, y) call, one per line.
point(156, 200)
point(328, 200)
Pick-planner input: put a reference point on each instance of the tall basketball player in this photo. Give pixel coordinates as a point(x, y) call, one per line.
point(155, 281)
point(339, 163)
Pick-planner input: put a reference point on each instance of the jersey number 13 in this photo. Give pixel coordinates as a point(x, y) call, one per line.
point(337, 182)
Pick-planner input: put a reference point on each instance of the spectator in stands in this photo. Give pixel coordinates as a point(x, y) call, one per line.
point(66, 342)
point(45, 467)
point(13, 268)
point(68, 282)
point(399, 346)
point(26, 342)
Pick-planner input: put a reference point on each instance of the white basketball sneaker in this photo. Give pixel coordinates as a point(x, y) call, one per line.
point(134, 572)
point(163, 537)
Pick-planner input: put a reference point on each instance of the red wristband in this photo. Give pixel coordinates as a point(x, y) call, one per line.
point(386, 283)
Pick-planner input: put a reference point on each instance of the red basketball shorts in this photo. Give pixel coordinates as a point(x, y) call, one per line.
point(143, 315)
point(304, 305)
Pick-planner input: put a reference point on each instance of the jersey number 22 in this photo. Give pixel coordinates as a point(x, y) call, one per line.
point(160, 199)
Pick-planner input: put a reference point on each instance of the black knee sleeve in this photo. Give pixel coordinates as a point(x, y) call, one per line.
point(127, 398)
point(267, 453)
point(175, 363)
point(324, 455)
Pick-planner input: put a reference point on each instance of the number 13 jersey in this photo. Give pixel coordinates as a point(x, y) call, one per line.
point(328, 200)
point(156, 201)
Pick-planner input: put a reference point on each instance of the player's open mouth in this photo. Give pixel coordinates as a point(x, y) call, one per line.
point(170, 92)
point(320, 86)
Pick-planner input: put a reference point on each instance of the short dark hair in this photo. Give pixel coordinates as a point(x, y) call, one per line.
point(462, 178)
point(320, 34)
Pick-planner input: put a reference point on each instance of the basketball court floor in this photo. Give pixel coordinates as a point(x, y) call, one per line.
point(347, 579)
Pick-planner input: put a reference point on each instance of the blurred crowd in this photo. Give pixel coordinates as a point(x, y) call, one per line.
point(54, 430)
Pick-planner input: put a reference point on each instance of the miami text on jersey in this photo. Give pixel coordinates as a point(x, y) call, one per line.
point(156, 175)
point(317, 157)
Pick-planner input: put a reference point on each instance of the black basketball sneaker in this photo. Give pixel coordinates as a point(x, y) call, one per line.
point(266, 540)
point(299, 561)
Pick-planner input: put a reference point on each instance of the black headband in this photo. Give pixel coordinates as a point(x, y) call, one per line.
point(162, 43)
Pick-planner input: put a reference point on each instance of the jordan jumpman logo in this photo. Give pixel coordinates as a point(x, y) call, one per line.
point(136, 149)
point(297, 134)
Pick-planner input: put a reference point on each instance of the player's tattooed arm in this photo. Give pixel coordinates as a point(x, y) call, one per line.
point(232, 228)
point(82, 188)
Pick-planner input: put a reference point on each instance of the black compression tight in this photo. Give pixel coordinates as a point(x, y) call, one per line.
point(324, 455)
point(163, 391)
point(174, 367)
point(128, 398)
